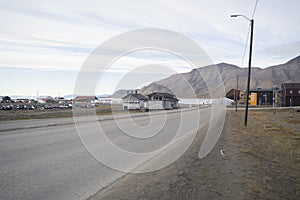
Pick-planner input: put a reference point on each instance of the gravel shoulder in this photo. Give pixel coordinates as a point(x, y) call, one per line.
point(260, 161)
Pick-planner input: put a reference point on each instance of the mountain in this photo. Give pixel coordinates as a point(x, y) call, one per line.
point(183, 85)
point(104, 95)
point(122, 93)
point(22, 97)
point(69, 96)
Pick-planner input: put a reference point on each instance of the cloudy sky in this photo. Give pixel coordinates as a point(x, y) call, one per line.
point(43, 44)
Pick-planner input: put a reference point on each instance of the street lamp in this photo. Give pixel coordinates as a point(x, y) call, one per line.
point(249, 66)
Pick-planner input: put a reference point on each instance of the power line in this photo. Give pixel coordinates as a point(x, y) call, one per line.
point(246, 43)
point(254, 9)
point(245, 48)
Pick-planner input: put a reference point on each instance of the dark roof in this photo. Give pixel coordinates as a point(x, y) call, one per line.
point(138, 96)
point(291, 85)
point(261, 90)
point(232, 89)
point(164, 95)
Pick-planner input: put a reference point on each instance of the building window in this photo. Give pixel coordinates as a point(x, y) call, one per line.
point(298, 91)
point(291, 91)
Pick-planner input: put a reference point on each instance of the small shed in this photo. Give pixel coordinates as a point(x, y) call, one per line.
point(134, 101)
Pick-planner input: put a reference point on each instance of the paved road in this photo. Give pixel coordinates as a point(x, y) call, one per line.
point(50, 162)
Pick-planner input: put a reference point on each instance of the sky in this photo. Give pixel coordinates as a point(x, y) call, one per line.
point(43, 44)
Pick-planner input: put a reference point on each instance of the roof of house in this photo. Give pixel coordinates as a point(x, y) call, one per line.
point(78, 98)
point(135, 95)
point(232, 89)
point(291, 85)
point(261, 90)
point(164, 95)
point(44, 98)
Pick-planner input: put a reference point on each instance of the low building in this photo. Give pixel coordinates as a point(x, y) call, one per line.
point(153, 101)
point(45, 99)
point(233, 94)
point(237, 95)
point(6, 99)
point(21, 100)
point(105, 100)
point(290, 94)
point(134, 101)
point(261, 97)
point(161, 101)
point(85, 99)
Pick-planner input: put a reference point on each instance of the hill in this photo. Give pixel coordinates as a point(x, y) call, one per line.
point(181, 84)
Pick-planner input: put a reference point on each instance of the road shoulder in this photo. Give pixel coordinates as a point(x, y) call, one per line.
point(237, 168)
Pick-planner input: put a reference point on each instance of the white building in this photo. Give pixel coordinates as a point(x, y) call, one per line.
point(134, 101)
point(153, 101)
point(45, 99)
point(161, 101)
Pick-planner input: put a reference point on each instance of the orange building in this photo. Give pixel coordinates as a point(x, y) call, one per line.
point(261, 97)
point(253, 98)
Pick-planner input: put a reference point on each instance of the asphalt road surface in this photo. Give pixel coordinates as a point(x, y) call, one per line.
point(45, 159)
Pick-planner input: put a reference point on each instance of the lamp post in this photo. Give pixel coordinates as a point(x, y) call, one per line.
point(237, 88)
point(249, 65)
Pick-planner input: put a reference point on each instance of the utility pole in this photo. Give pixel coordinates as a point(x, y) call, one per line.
point(237, 88)
point(249, 66)
point(249, 72)
point(234, 96)
point(273, 96)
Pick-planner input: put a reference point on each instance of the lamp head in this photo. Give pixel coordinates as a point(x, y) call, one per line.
point(241, 16)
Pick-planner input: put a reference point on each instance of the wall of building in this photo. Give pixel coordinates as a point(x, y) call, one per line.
point(258, 98)
point(253, 98)
point(168, 105)
point(265, 98)
point(131, 106)
point(290, 94)
point(291, 101)
point(155, 105)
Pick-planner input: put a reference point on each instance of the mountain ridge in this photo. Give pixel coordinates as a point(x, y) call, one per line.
point(182, 83)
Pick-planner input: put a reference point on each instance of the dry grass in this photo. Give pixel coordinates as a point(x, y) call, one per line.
point(102, 109)
point(272, 143)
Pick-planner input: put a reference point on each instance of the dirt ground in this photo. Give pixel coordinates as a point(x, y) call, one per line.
point(103, 109)
point(261, 161)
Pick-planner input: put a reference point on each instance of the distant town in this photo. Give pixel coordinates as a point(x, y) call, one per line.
point(48, 102)
point(287, 95)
